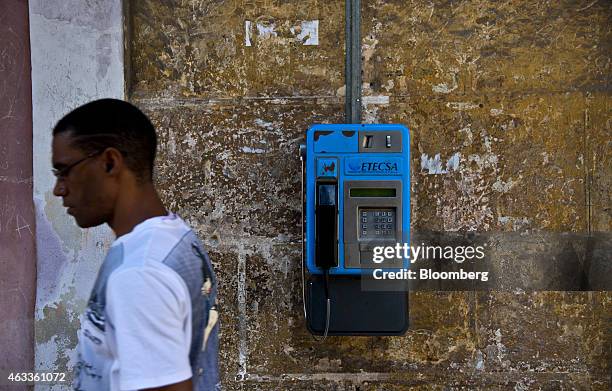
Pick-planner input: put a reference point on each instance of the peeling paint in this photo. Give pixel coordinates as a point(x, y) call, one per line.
point(435, 166)
point(370, 114)
point(444, 88)
point(264, 124)
point(479, 361)
point(514, 223)
point(504, 186)
point(252, 150)
point(462, 106)
point(375, 100)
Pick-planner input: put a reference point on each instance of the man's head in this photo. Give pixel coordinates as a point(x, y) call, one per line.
point(100, 151)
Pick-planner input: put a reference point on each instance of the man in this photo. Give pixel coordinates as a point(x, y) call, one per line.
point(150, 322)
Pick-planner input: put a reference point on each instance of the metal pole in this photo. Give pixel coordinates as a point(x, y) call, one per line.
point(347, 61)
point(353, 61)
point(356, 63)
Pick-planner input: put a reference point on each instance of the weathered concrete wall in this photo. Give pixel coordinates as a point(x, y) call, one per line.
point(17, 244)
point(508, 104)
point(77, 56)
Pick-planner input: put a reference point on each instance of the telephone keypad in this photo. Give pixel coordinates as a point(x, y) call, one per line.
point(377, 223)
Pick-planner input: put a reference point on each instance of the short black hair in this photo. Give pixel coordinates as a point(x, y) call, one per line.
point(114, 123)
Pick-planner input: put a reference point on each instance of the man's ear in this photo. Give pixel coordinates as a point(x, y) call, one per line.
point(113, 160)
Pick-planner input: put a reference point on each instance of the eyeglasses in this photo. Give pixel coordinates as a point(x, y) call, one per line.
point(62, 173)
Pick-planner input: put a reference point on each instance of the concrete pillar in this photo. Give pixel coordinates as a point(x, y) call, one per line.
point(77, 56)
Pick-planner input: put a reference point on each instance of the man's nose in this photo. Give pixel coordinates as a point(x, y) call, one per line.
point(59, 190)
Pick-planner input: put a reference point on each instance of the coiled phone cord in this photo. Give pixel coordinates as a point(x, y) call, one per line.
point(328, 307)
point(328, 304)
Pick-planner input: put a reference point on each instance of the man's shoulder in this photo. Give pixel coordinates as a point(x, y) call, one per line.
point(167, 248)
point(155, 240)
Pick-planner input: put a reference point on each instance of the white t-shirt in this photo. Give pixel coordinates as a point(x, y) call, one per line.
point(136, 330)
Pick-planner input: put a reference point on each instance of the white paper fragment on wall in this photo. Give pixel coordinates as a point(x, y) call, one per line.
point(309, 33)
point(306, 33)
point(247, 33)
point(266, 31)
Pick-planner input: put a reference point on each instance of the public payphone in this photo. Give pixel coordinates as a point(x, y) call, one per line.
point(357, 197)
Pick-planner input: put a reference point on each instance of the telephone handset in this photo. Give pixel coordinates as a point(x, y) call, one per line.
point(326, 217)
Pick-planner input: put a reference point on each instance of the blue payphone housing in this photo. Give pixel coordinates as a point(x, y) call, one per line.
point(357, 196)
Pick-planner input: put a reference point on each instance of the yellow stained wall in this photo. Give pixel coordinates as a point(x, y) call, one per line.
point(518, 91)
